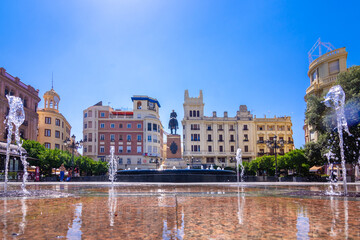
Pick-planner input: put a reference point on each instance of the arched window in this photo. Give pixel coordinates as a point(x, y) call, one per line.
point(190, 113)
point(6, 91)
point(138, 105)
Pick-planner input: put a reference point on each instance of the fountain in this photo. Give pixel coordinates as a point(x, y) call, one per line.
point(112, 165)
point(239, 162)
point(335, 98)
point(17, 117)
point(332, 178)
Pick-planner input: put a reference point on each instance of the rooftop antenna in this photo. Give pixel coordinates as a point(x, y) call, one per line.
point(313, 55)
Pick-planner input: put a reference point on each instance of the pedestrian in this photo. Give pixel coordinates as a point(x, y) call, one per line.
point(62, 172)
point(69, 175)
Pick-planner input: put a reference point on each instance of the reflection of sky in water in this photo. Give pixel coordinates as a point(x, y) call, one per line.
point(74, 231)
point(302, 225)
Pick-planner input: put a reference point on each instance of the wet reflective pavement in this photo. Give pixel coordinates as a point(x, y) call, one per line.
point(189, 211)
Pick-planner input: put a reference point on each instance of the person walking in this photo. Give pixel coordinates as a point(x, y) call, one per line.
point(62, 172)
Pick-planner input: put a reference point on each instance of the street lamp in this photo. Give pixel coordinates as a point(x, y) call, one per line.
point(70, 143)
point(274, 144)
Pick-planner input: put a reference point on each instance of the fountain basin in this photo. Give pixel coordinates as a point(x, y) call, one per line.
point(176, 176)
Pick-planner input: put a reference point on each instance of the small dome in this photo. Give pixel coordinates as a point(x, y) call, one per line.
point(51, 93)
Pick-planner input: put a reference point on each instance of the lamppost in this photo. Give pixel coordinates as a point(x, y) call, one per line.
point(70, 143)
point(274, 144)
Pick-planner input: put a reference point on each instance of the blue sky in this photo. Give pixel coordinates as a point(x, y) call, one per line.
point(237, 52)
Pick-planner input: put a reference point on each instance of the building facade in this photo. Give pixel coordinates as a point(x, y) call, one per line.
point(10, 85)
point(214, 140)
point(137, 135)
point(54, 129)
point(323, 73)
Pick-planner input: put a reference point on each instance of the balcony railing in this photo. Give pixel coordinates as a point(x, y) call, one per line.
point(246, 140)
point(209, 140)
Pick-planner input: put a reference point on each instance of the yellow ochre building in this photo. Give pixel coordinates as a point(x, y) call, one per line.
point(53, 126)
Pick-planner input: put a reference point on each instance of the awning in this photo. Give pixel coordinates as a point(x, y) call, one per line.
point(315, 169)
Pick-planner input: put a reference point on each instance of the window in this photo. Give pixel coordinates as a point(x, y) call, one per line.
point(190, 113)
point(102, 137)
point(194, 113)
point(139, 125)
point(128, 125)
point(128, 149)
point(102, 125)
point(62, 124)
point(221, 138)
point(334, 67)
point(90, 148)
point(208, 127)
point(209, 138)
point(90, 115)
point(47, 133)
point(139, 161)
point(149, 149)
point(85, 125)
point(246, 127)
point(139, 138)
point(246, 149)
point(220, 127)
point(138, 105)
point(57, 122)
point(139, 115)
point(47, 145)
point(231, 128)
point(112, 137)
point(121, 149)
point(198, 113)
point(120, 138)
point(195, 148)
point(102, 149)
point(102, 114)
point(138, 149)
point(128, 138)
point(195, 137)
point(155, 139)
point(209, 149)
point(154, 127)
point(120, 125)
point(47, 120)
point(195, 126)
point(149, 127)
point(232, 138)
point(57, 146)
point(149, 138)
point(57, 134)
point(112, 125)
point(128, 161)
point(85, 115)
point(314, 75)
point(25, 102)
point(221, 148)
point(154, 149)
point(6, 91)
point(90, 137)
point(120, 161)
point(85, 149)
point(246, 138)
point(232, 148)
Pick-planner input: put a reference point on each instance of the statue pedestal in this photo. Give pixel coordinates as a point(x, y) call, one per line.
point(173, 143)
